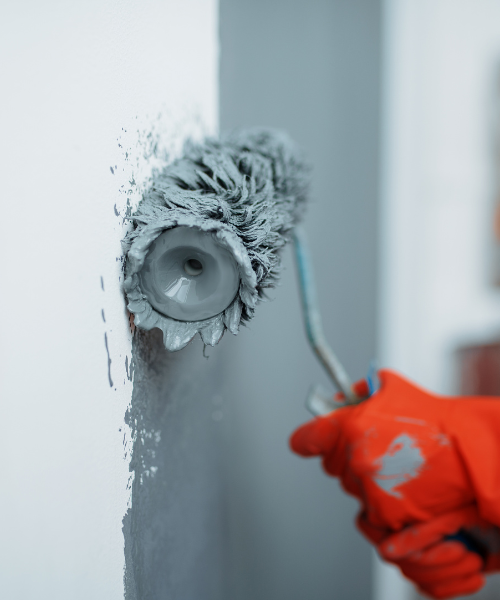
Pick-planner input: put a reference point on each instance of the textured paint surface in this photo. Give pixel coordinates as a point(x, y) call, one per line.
point(175, 530)
point(248, 190)
point(400, 463)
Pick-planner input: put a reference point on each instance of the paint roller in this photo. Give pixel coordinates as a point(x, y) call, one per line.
point(207, 235)
point(207, 238)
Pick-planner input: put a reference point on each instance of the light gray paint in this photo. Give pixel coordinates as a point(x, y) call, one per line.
point(312, 69)
point(174, 530)
point(401, 462)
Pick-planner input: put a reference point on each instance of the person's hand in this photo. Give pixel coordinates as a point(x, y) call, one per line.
point(442, 563)
point(413, 458)
point(395, 452)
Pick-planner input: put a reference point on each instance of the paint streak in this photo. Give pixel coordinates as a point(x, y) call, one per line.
point(116, 211)
point(102, 315)
point(401, 462)
point(109, 359)
point(128, 210)
point(129, 370)
point(112, 170)
point(410, 420)
point(102, 284)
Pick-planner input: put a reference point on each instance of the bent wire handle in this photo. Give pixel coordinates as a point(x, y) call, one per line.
point(319, 402)
point(312, 320)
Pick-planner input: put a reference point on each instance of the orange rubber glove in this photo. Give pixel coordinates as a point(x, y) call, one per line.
point(411, 457)
point(439, 565)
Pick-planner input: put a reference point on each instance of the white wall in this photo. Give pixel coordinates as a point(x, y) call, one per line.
point(441, 65)
point(80, 80)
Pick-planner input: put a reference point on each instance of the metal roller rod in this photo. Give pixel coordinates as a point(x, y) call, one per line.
point(312, 320)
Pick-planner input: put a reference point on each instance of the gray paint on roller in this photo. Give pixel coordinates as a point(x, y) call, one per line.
point(248, 190)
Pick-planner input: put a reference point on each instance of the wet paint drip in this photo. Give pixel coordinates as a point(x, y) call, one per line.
point(401, 462)
point(109, 359)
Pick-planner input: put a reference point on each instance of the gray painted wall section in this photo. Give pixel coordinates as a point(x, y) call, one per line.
point(312, 69)
point(174, 531)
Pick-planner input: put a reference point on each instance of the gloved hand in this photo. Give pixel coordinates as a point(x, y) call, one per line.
point(410, 457)
point(428, 554)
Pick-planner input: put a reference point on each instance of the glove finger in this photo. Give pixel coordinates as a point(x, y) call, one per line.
point(374, 534)
point(421, 536)
point(442, 553)
point(468, 565)
point(454, 587)
point(318, 436)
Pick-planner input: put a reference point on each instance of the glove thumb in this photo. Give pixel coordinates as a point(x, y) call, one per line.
point(319, 436)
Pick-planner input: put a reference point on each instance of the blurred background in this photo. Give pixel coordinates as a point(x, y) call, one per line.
point(397, 104)
point(313, 70)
